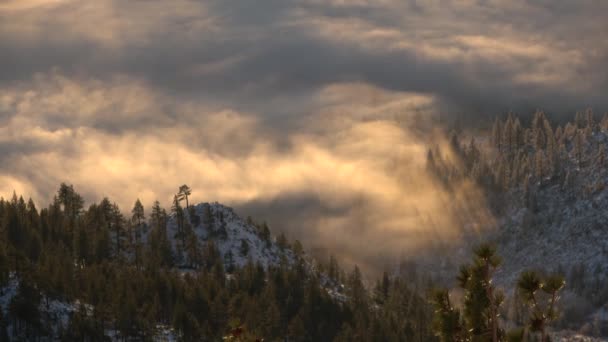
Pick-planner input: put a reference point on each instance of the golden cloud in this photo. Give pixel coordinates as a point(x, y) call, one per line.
point(350, 151)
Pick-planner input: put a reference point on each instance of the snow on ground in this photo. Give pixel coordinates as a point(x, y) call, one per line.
point(236, 231)
point(165, 334)
point(7, 293)
point(54, 313)
point(569, 226)
point(57, 314)
point(569, 336)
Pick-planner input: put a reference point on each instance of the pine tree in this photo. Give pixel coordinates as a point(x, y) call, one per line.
point(104, 241)
point(282, 241)
point(333, 269)
point(524, 167)
point(118, 226)
point(297, 248)
point(208, 218)
point(244, 248)
point(447, 319)
point(601, 157)
point(472, 154)
point(497, 134)
point(265, 234)
point(184, 192)
point(518, 135)
point(193, 251)
point(382, 288)
point(138, 215)
point(529, 285)
point(578, 147)
point(24, 310)
point(222, 231)
point(179, 220)
point(230, 266)
point(604, 122)
point(137, 219)
point(81, 246)
point(70, 200)
point(551, 148)
point(559, 135)
point(32, 216)
point(482, 300)
point(507, 136)
point(579, 120)
point(72, 205)
point(16, 238)
point(356, 290)
point(538, 130)
point(589, 121)
point(211, 255)
point(4, 270)
point(540, 165)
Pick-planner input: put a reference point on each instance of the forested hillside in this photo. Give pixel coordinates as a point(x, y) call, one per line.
point(546, 184)
point(201, 272)
point(196, 273)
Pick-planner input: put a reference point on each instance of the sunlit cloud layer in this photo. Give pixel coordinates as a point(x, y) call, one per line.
point(352, 173)
point(304, 113)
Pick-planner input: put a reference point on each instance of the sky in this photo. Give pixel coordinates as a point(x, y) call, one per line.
point(313, 115)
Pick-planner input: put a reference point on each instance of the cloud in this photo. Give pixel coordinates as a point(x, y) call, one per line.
point(476, 56)
point(353, 172)
point(313, 107)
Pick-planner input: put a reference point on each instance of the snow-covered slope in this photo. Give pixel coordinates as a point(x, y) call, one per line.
point(220, 224)
point(567, 229)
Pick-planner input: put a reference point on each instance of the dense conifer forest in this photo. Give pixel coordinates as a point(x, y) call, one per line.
point(121, 286)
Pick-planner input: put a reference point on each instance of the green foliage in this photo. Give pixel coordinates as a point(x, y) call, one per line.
point(447, 322)
point(541, 295)
point(4, 268)
point(183, 193)
point(23, 310)
point(479, 320)
point(98, 257)
point(482, 299)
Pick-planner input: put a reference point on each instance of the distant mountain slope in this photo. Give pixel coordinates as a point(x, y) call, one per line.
point(559, 223)
point(548, 190)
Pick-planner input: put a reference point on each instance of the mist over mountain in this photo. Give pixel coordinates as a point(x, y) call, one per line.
point(254, 103)
point(390, 139)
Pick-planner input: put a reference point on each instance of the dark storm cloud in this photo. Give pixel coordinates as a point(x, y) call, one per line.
point(243, 53)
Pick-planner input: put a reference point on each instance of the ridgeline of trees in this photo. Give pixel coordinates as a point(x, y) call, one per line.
point(523, 158)
point(123, 272)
